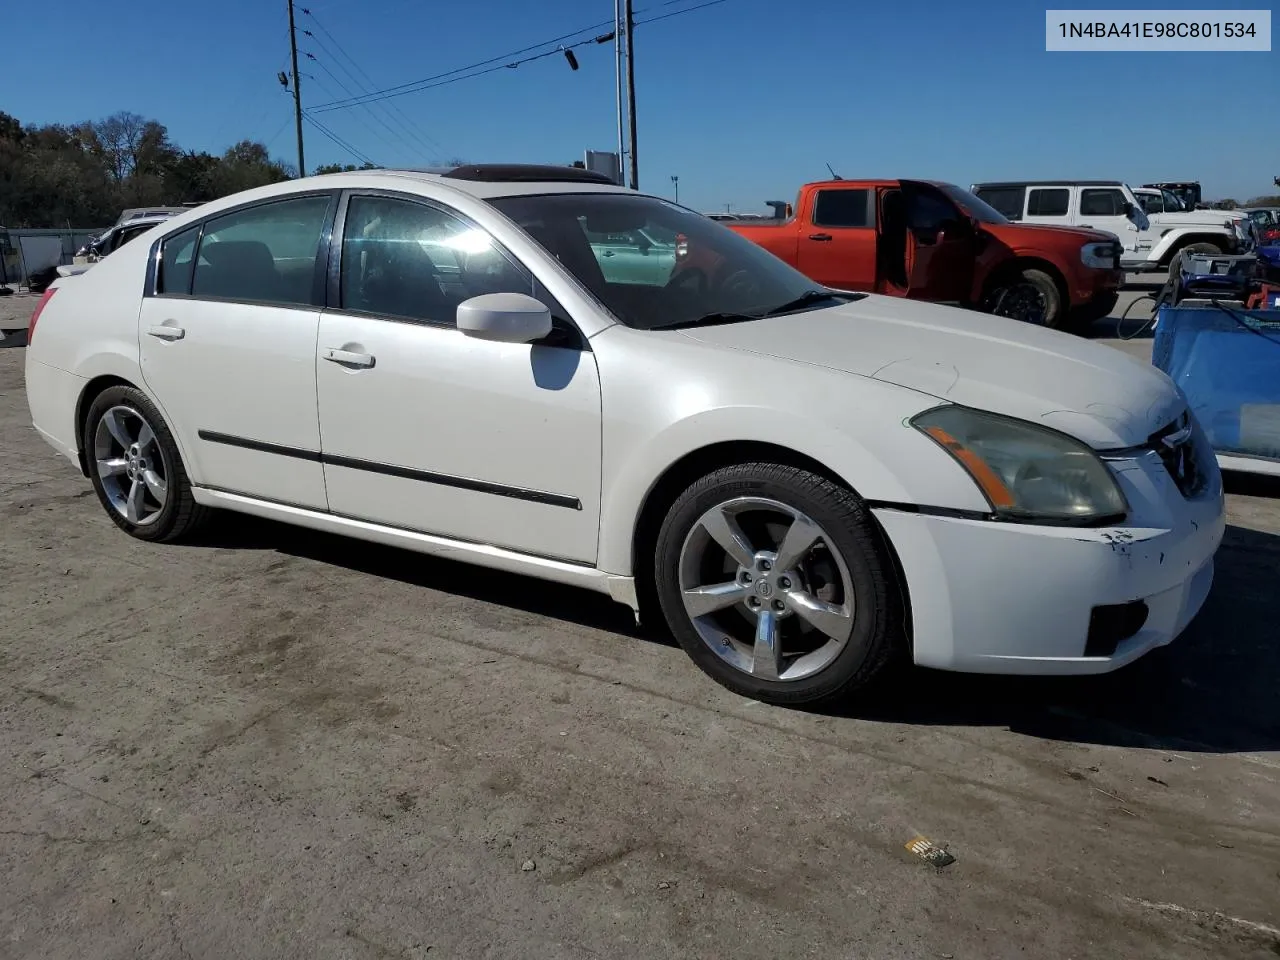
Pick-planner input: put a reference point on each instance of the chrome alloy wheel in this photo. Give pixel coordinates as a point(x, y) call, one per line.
point(131, 465)
point(766, 589)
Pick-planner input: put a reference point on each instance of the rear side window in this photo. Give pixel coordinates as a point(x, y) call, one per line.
point(1101, 203)
point(843, 208)
point(1050, 202)
point(176, 261)
point(265, 253)
point(1008, 200)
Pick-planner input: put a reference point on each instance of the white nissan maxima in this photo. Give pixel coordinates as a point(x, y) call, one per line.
point(802, 483)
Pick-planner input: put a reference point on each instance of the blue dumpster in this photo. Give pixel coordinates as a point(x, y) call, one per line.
point(1227, 362)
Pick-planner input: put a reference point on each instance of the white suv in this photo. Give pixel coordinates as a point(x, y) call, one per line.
point(1150, 241)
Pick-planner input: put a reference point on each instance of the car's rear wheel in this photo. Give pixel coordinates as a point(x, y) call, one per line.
point(777, 583)
point(135, 467)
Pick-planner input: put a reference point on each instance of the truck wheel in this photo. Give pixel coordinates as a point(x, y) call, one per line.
point(1190, 250)
point(1030, 296)
point(777, 583)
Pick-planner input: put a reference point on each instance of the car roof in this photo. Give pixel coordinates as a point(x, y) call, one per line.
point(489, 180)
point(1051, 183)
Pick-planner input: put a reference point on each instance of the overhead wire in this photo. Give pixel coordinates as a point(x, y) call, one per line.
point(397, 145)
point(337, 139)
point(393, 110)
point(502, 62)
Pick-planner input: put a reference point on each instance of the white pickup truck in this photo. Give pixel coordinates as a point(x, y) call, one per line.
point(1150, 241)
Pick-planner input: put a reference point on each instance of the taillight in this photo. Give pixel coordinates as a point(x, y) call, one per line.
point(682, 246)
point(44, 301)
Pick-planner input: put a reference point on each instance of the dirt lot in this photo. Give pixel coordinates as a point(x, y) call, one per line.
point(273, 743)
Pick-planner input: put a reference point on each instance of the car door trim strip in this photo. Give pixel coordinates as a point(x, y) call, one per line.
point(391, 470)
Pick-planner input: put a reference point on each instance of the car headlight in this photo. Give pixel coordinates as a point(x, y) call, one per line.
point(1027, 472)
point(1099, 256)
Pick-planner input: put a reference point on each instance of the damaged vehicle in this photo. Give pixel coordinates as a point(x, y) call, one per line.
point(802, 485)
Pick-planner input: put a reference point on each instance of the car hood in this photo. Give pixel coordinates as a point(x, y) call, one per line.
point(1030, 231)
point(1093, 392)
point(1186, 218)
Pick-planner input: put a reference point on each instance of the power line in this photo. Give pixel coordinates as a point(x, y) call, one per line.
point(393, 109)
point(401, 88)
point(463, 73)
point(336, 139)
point(400, 146)
point(676, 13)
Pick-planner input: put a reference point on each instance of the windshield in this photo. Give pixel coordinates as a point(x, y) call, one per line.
point(1171, 203)
point(975, 207)
point(653, 264)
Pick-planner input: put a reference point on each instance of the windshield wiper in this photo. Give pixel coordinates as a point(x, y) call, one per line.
point(808, 298)
point(708, 320)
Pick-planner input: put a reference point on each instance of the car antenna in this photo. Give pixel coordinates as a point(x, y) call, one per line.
point(834, 175)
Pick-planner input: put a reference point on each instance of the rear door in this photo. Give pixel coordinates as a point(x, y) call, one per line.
point(838, 248)
point(228, 345)
point(941, 245)
point(1049, 204)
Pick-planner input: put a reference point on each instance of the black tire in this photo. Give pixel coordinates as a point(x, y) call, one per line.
point(1175, 264)
point(877, 638)
point(1015, 284)
point(180, 514)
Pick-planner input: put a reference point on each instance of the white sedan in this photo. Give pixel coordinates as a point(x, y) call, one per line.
point(803, 483)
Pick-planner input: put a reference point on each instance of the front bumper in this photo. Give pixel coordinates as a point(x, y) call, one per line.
point(991, 597)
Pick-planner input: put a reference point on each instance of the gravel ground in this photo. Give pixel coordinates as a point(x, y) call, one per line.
point(272, 743)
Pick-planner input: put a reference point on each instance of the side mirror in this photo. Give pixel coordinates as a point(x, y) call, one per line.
point(1127, 207)
point(504, 318)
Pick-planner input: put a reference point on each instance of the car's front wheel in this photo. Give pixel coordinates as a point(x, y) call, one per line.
point(777, 583)
point(135, 467)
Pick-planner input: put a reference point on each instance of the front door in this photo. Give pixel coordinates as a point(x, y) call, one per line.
point(228, 341)
point(1104, 208)
point(838, 248)
point(941, 246)
point(429, 430)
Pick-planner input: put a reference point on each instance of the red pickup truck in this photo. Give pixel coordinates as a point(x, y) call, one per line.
point(935, 241)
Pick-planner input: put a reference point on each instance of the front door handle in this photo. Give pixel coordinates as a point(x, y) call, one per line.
point(347, 358)
point(607, 253)
point(820, 236)
point(165, 332)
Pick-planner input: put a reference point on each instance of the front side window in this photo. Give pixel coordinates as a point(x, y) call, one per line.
point(713, 275)
point(1106, 202)
point(176, 261)
point(265, 253)
point(412, 261)
point(843, 208)
point(1050, 202)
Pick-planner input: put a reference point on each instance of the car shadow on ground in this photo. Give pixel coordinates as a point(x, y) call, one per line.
point(1212, 690)
point(554, 600)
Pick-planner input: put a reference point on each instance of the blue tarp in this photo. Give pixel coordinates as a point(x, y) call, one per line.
point(1227, 362)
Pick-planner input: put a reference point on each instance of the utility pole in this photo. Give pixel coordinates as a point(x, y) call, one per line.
point(675, 185)
point(631, 90)
point(297, 91)
point(617, 82)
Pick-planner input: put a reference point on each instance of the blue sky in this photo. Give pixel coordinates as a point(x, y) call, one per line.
point(743, 100)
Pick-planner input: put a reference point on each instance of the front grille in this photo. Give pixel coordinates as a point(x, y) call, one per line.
point(1184, 451)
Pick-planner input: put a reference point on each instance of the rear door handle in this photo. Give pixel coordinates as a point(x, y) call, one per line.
point(165, 332)
point(347, 358)
point(820, 236)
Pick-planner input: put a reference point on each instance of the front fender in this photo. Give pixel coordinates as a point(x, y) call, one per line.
point(899, 465)
point(1180, 236)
